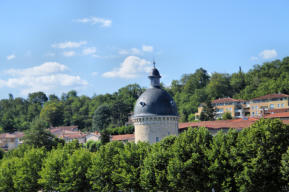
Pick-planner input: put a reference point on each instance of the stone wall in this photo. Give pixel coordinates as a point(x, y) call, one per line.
point(154, 128)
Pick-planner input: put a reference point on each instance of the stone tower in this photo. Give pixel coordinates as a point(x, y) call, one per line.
point(155, 113)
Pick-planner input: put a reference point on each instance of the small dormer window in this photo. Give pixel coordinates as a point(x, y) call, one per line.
point(142, 103)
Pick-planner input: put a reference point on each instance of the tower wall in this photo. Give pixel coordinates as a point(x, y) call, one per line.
point(154, 128)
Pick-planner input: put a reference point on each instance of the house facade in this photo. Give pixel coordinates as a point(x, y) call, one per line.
point(256, 107)
point(262, 105)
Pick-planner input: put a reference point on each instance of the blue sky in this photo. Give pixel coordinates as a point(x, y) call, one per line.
point(97, 47)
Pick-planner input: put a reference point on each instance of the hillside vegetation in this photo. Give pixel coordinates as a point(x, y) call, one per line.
point(16, 114)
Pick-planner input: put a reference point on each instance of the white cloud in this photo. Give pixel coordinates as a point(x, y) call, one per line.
point(95, 20)
point(147, 48)
point(69, 53)
point(49, 76)
point(131, 67)
point(268, 54)
point(136, 51)
point(44, 69)
point(10, 57)
point(89, 50)
point(68, 44)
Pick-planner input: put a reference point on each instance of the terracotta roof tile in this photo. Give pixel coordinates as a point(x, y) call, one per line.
point(278, 115)
point(235, 124)
point(12, 135)
point(280, 110)
point(271, 96)
point(69, 128)
point(226, 100)
point(122, 137)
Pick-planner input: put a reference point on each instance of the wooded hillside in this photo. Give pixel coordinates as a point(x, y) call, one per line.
point(188, 92)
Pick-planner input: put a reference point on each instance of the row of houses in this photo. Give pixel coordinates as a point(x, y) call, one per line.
point(256, 107)
point(10, 141)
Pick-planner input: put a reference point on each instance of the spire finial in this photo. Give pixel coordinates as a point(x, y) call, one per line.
point(154, 63)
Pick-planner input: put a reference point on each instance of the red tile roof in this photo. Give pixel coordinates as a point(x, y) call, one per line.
point(226, 100)
point(72, 134)
point(235, 123)
point(271, 96)
point(219, 124)
point(11, 135)
point(69, 128)
point(278, 115)
point(280, 110)
point(122, 137)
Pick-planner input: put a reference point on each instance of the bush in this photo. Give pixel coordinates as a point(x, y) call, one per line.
point(121, 130)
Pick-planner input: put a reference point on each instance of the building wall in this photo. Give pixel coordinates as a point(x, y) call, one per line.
point(256, 107)
point(154, 128)
point(221, 109)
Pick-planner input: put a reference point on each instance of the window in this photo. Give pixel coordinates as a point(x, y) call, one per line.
point(282, 104)
point(278, 105)
point(221, 110)
point(253, 113)
point(271, 106)
point(157, 139)
point(169, 133)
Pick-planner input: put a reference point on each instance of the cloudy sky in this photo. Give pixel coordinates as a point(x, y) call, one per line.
point(100, 46)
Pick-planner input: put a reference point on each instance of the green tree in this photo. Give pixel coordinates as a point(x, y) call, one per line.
point(39, 136)
point(260, 150)
point(92, 146)
point(223, 161)
point(37, 97)
point(101, 118)
point(103, 165)
point(237, 81)
point(130, 164)
point(52, 112)
point(73, 173)
point(27, 168)
point(154, 171)
point(7, 172)
point(226, 116)
point(285, 168)
point(208, 112)
point(50, 172)
point(188, 167)
point(219, 86)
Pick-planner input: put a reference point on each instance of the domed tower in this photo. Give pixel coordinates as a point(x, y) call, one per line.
point(155, 113)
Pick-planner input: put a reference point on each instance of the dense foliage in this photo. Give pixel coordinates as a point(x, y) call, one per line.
point(254, 159)
point(16, 114)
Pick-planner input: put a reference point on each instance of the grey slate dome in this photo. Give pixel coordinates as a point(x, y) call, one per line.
point(155, 101)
